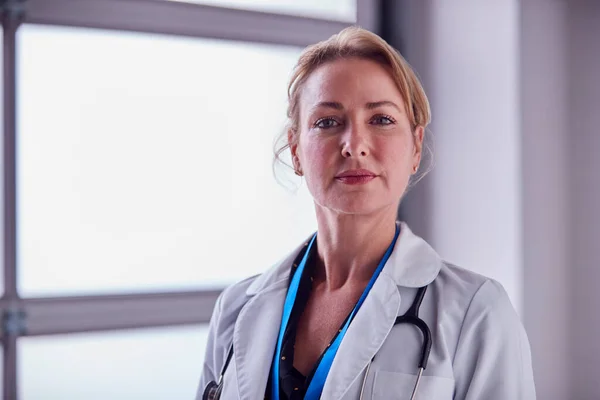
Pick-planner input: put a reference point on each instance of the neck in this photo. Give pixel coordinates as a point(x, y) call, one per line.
point(351, 246)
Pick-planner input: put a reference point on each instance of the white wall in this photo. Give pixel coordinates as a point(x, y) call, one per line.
point(584, 146)
point(544, 91)
point(474, 94)
point(467, 55)
point(515, 194)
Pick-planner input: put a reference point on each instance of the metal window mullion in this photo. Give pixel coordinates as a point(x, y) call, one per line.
point(9, 373)
point(182, 19)
point(60, 315)
point(10, 24)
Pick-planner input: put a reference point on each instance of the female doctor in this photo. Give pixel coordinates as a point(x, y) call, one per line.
point(364, 308)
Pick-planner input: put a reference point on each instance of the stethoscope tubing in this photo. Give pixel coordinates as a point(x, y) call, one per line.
point(411, 317)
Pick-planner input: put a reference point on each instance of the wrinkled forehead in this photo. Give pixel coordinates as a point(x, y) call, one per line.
point(350, 82)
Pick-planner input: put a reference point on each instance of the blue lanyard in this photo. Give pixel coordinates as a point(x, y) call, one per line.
point(318, 381)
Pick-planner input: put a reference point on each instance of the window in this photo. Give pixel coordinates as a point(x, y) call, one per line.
point(343, 10)
point(137, 164)
point(144, 159)
point(157, 364)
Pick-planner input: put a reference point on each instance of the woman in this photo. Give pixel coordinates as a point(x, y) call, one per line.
point(337, 319)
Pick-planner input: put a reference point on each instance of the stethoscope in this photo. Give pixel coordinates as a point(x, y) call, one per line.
point(411, 317)
point(213, 389)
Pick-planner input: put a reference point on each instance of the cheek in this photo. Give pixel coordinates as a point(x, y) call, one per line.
point(317, 155)
point(320, 161)
point(398, 161)
point(398, 153)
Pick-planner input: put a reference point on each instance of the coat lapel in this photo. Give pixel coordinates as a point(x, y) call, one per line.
point(254, 340)
point(367, 332)
point(257, 327)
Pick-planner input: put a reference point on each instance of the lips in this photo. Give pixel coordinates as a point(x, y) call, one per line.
point(356, 176)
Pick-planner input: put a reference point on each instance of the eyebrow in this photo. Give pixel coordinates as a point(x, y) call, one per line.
point(370, 106)
point(329, 104)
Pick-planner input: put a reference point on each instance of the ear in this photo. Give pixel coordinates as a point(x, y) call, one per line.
point(293, 144)
point(418, 137)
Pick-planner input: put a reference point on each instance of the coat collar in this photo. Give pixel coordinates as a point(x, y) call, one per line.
point(413, 263)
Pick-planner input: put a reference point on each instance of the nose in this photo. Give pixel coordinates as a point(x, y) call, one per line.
point(355, 142)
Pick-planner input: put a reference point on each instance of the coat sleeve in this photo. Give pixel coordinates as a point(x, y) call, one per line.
point(213, 356)
point(493, 357)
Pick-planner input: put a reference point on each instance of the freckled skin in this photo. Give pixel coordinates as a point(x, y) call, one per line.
point(351, 135)
point(388, 149)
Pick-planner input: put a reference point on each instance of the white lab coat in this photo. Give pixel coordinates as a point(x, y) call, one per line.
point(480, 350)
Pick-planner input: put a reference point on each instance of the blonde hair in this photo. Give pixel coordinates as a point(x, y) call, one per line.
point(353, 42)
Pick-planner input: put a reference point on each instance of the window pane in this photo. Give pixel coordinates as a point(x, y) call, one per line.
point(342, 10)
point(145, 162)
point(148, 364)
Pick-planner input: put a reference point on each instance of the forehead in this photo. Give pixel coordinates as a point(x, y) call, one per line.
point(350, 82)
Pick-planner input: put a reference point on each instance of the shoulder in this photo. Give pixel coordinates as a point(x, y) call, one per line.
point(469, 288)
point(489, 345)
point(485, 319)
point(477, 309)
point(232, 300)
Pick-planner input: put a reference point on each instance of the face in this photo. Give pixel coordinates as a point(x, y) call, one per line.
point(355, 146)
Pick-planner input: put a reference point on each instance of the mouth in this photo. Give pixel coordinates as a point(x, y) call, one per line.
point(356, 177)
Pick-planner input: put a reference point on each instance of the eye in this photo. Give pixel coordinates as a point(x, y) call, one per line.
point(326, 123)
point(382, 120)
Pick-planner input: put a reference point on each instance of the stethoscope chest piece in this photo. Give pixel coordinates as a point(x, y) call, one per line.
point(213, 391)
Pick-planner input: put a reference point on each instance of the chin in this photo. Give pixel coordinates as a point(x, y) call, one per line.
point(354, 205)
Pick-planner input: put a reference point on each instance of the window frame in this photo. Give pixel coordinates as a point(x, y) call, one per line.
point(60, 315)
